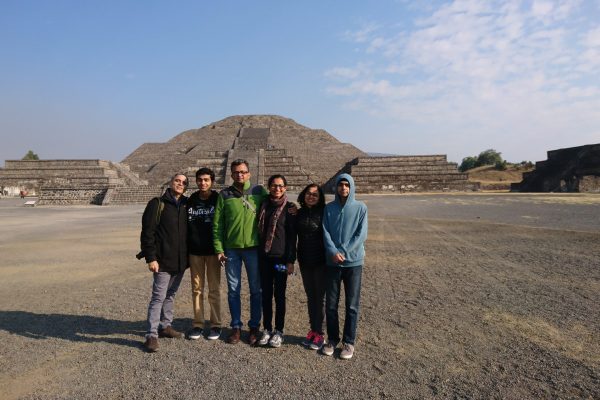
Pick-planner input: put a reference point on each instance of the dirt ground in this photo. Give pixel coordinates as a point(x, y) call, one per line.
point(464, 296)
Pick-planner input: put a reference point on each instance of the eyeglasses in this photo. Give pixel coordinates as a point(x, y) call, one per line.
point(312, 194)
point(276, 186)
point(239, 172)
point(184, 183)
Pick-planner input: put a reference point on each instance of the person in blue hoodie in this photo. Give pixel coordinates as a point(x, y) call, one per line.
point(345, 228)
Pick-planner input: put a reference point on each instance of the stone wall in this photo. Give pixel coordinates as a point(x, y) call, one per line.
point(589, 184)
point(563, 171)
point(67, 181)
point(408, 174)
point(71, 196)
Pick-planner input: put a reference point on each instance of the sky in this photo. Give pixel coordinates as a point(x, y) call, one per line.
point(96, 79)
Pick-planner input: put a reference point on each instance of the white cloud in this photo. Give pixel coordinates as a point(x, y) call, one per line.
point(592, 38)
point(517, 69)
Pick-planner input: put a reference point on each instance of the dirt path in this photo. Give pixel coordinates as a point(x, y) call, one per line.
point(453, 306)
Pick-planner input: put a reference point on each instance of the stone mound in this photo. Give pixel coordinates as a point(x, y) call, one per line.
point(573, 169)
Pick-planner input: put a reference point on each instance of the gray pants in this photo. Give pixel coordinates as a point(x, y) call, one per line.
point(160, 309)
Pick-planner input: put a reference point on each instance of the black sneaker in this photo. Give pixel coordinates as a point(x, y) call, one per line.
point(194, 333)
point(214, 334)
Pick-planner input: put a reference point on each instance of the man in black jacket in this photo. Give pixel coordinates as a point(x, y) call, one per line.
point(164, 245)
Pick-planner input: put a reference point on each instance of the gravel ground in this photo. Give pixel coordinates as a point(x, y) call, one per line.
point(464, 296)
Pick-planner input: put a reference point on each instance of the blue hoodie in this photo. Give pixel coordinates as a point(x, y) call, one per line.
point(345, 227)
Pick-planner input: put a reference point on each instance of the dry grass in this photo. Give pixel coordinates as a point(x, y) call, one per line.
point(492, 179)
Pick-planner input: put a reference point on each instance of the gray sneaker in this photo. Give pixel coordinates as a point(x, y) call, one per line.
point(328, 348)
point(276, 339)
point(347, 351)
point(264, 339)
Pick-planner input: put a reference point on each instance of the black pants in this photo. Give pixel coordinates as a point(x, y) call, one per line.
point(273, 284)
point(313, 278)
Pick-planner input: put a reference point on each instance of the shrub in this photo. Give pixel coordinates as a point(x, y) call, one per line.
point(467, 164)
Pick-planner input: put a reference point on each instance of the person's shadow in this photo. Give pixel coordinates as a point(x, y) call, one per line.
point(76, 328)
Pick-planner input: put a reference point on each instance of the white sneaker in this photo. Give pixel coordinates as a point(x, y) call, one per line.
point(328, 348)
point(264, 339)
point(347, 351)
point(276, 339)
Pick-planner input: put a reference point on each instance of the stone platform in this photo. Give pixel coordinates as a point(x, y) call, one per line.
point(426, 173)
point(572, 169)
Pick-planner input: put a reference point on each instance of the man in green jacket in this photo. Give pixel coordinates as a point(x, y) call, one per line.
point(236, 239)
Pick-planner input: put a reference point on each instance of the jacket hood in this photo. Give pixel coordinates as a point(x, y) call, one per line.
point(168, 196)
point(352, 188)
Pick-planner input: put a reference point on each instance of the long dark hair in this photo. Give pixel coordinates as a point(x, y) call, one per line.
point(302, 195)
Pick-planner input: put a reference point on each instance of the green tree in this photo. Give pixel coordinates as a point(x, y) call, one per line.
point(501, 165)
point(30, 156)
point(488, 157)
point(467, 163)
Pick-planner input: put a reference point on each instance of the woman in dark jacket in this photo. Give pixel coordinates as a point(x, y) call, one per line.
point(276, 256)
point(311, 257)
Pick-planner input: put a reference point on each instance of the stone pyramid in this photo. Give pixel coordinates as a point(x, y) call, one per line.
point(270, 143)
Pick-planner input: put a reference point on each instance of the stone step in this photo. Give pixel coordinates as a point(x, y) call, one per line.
point(394, 170)
point(401, 159)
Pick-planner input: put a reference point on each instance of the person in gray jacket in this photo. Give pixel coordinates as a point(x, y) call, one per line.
point(345, 229)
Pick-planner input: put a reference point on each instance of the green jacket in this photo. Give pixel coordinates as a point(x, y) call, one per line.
point(236, 223)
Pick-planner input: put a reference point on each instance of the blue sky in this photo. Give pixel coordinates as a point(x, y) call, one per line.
point(95, 79)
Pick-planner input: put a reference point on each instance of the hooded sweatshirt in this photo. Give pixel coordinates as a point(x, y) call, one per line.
point(345, 227)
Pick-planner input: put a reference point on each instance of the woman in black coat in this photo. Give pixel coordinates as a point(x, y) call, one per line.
point(311, 257)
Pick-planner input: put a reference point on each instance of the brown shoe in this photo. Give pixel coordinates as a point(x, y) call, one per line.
point(169, 332)
point(234, 336)
point(151, 344)
point(253, 336)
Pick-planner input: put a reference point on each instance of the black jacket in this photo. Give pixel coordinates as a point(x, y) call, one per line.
point(309, 228)
point(167, 241)
point(283, 246)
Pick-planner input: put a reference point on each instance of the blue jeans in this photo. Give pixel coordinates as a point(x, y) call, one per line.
point(351, 277)
point(233, 270)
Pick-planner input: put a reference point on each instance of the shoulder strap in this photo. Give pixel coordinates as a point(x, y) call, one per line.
point(247, 203)
point(244, 200)
point(159, 209)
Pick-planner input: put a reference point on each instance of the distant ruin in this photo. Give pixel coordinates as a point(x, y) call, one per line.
point(271, 144)
point(573, 169)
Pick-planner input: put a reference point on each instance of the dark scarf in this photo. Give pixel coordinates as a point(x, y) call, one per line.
point(280, 204)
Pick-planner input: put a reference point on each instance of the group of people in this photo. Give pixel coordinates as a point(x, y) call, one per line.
point(261, 229)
